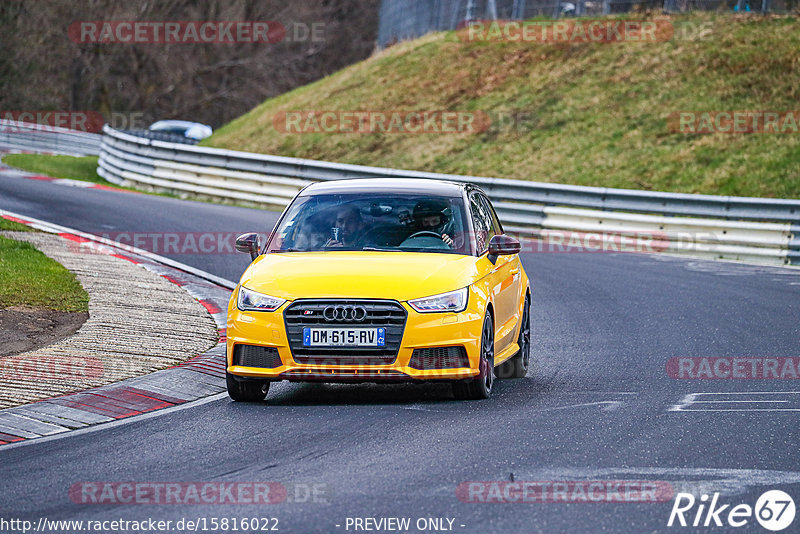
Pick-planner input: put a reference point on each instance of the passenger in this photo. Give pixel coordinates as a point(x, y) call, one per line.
point(348, 228)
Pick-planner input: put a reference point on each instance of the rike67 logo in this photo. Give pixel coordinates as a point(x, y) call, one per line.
point(774, 510)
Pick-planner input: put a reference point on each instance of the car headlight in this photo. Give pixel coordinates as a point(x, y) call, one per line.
point(452, 301)
point(249, 300)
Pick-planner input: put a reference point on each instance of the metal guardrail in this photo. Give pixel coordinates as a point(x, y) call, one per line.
point(161, 136)
point(755, 229)
point(27, 136)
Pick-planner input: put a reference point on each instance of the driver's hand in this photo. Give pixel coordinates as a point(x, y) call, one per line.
point(333, 243)
point(447, 239)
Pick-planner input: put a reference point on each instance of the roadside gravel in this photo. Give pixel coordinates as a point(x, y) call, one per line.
point(139, 322)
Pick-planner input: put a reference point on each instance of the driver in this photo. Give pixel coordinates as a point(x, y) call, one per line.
point(432, 216)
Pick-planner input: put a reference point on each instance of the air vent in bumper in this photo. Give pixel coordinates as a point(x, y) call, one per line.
point(256, 356)
point(439, 358)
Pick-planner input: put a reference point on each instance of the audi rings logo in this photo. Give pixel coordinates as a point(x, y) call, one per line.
point(342, 313)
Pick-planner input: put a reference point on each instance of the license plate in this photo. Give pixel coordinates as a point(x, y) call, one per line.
point(344, 337)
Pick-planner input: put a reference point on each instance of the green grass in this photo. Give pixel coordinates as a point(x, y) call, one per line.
point(596, 113)
point(11, 226)
point(82, 168)
point(76, 168)
point(29, 278)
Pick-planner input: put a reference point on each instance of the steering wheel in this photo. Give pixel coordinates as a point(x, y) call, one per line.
point(424, 233)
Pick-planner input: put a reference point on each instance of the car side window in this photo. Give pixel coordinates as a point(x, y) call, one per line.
point(498, 228)
point(482, 221)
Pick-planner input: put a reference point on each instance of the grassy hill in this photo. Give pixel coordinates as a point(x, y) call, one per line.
point(588, 113)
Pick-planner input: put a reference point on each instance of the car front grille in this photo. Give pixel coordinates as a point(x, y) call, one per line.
point(439, 358)
point(256, 356)
point(388, 314)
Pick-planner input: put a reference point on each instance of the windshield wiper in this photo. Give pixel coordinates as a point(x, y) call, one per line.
point(387, 249)
point(286, 250)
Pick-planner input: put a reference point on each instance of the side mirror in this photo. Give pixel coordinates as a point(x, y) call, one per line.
point(248, 243)
point(502, 245)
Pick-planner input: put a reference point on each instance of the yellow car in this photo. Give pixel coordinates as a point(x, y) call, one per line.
point(381, 280)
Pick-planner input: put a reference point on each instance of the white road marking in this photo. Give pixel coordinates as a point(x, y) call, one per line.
point(56, 229)
point(695, 480)
point(609, 406)
point(74, 183)
point(116, 423)
point(745, 397)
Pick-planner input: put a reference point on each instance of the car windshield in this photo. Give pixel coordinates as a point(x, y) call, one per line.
point(394, 222)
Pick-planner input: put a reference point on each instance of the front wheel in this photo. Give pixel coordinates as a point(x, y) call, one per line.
point(480, 387)
point(246, 390)
point(517, 366)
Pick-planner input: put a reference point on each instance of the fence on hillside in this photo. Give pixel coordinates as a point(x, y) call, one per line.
point(401, 20)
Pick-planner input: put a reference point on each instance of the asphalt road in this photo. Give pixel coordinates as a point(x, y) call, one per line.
point(196, 233)
point(598, 405)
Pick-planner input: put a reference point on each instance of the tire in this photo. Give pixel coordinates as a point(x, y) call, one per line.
point(480, 387)
point(517, 366)
point(246, 390)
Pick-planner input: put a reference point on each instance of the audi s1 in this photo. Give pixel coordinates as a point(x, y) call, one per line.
point(381, 280)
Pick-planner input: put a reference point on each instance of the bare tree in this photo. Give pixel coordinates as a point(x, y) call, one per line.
point(41, 68)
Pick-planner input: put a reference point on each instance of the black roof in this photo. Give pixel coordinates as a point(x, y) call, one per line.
point(387, 185)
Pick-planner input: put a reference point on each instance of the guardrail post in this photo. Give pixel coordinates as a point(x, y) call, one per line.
point(518, 9)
